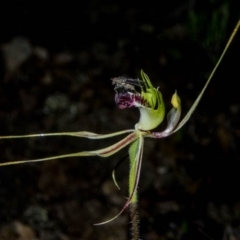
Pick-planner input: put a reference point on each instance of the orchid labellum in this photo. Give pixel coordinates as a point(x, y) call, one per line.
point(130, 93)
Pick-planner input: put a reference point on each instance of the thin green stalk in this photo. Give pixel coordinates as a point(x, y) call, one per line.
point(135, 155)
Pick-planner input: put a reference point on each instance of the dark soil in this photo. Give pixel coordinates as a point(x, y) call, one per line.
point(56, 62)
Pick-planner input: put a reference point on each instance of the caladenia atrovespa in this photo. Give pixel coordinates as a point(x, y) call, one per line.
point(130, 93)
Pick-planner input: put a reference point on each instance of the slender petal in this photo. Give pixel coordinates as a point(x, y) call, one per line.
point(105, 152)
point(85, 134)
point(134, 175)
point(113, 172)
point(188, 115)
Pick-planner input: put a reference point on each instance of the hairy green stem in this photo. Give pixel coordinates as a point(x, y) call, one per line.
point(132, 175)
point(133, 205)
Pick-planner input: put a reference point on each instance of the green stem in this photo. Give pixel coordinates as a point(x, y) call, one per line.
point(133, 169)
point(135, 155)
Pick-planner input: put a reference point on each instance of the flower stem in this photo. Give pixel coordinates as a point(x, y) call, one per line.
point(134, 221)
point(135, 155)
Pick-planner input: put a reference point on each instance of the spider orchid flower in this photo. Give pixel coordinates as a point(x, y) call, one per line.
point(128, 93)
point(133, 93)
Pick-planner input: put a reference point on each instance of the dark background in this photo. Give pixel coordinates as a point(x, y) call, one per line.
point(56, 61)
